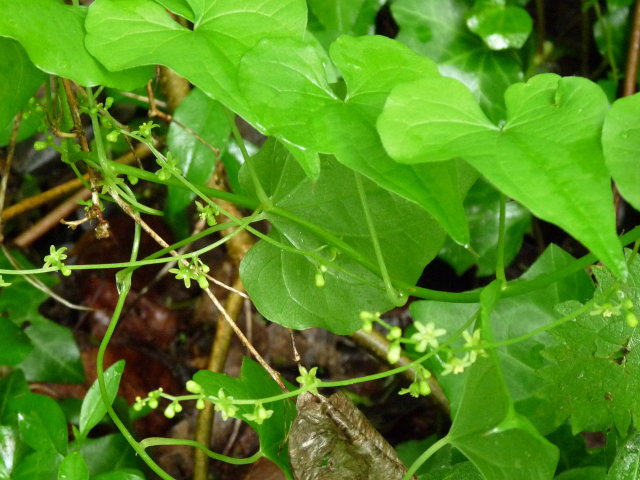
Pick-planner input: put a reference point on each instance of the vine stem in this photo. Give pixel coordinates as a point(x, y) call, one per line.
point(391, 292)
point(631, 73)
point(609, 43)
point(155, 441)
point(141, 151)
point(124, 285)
point(500, 275)
point(264, 199)
point(127, 209)
point(6, 167)
point(425, 456)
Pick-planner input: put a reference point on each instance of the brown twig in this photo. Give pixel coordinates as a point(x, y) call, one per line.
point(102, 229)
point(217, 360)
point(33, 280)
point(6, 167)
point(173, 97)
point(51, 219)
point(174, 87)
point(237, 247)
point(158, 239)
point(631, 73)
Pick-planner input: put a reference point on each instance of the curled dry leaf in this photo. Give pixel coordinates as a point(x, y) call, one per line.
point(331, 439)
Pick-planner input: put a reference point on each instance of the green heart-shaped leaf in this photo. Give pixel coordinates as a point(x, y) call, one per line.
point(16, 70)
point(500, 26)
point(547, 155)
point(53, 35)
point(621, 144)
point(285, 84)
point(439, 31)
point(128, 33)
point(282, 282)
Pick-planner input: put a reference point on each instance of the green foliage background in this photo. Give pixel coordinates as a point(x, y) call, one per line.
point(382, 154)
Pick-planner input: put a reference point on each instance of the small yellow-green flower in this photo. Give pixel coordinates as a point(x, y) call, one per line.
point(307, 379)
point(259, 415)
point(225, 405)
point(427, 336)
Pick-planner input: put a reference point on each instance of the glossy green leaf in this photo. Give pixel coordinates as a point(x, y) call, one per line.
point(282, 287)
point(61, 50)
point(11, 386)
point(584, 473)
point(14, 344)
point(129, 33)
point(443, 459)
point(254, 383)
point(285, 84)
point(73, 467)
point(501, 443)
point(179, 7)
point(9, 450)
point(128, 474)
point(482, 206)
point(620, 142)
point(42, 424)
point(459, 471)
point(340, 16)
point(40, 465)
point(32, 122)
point(286, 87)
point(626, 465)
point(500, 26)
point(206, 119)
point(547, 155)
point(520, 361)
point(437, 29)
point(595, 368)
point(110, 454)
point(55, 356)
point(328, 19)
point(93, 407)
point(409, 239)
point(16, 69)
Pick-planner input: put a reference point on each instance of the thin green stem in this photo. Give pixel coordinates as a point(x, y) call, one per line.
point(132, 171)
point(425, 456)
point(391, 292)
point(570, 316)
point(97, 133)
point(500, 275)
point(264, 199)
point(606, 28)
point(155, 441)
point(124, 285)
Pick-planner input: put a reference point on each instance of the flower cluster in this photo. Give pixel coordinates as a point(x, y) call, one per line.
point(208, 213)
point(307, 379)
point(56, 259)
point(151, 401)
point(610, 309)
point(223, 403)
point(195, 270)
point(420, 386)
point(168, 167)
point(457, 365)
